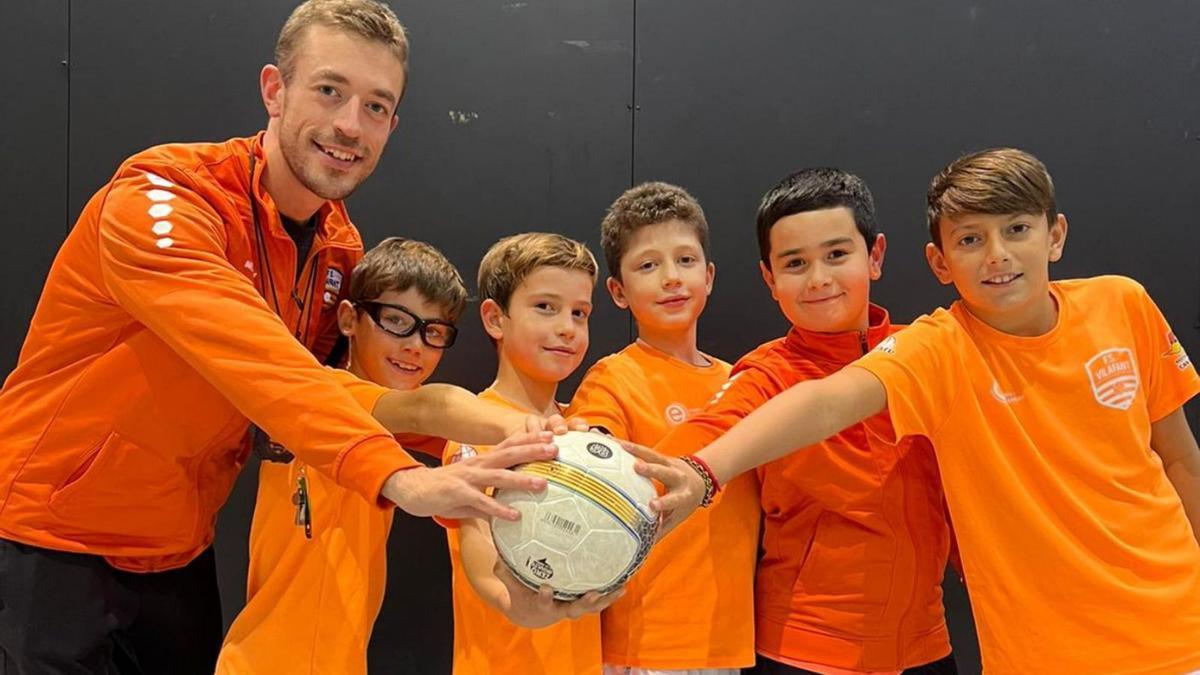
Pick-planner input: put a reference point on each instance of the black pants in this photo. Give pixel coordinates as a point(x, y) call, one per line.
point(66, 613)
point(766, 666)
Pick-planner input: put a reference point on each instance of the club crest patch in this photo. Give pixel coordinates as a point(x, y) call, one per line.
point(1114, 377)
point(1175, 352)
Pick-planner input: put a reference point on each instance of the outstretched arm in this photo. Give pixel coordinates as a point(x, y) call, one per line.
point(453, 413)
point(1171, 437)
point(807, 413)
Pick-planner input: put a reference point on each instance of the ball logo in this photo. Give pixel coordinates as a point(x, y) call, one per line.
point(599, 450)
point(676, 413)
point(540, 568)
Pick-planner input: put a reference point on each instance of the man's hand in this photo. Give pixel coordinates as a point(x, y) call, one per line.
point(536, 609)
point(685, 488)
point(457, 490)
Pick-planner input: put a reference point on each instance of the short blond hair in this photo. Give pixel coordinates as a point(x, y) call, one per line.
point(509, 261)
point(998, 181)
point(368, 19)
point(650, 203)
point(398, 264)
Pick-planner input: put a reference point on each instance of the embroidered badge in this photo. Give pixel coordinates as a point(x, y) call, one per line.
point(333, 286)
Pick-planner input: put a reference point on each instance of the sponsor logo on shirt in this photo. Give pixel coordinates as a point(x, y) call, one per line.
point(1175, 352)
point(676, 413)
point(1114, 377)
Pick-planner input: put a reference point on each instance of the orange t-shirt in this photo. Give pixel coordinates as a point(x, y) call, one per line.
point(487, 643)
point(691, 605)
point(854, 531)
point(311, 603)
point(1076, 549)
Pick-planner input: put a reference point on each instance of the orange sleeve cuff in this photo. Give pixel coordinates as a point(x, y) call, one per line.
point(365, 467)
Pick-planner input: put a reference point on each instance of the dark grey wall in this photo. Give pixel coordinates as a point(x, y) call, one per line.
point(34, 215)
point(535, 114)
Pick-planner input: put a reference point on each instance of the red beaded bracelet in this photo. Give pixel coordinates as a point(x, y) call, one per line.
point(711, 485)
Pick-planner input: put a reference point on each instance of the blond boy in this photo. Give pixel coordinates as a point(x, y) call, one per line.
point(536, 297)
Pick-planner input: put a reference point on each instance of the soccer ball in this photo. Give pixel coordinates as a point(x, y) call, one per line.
point(589, 530)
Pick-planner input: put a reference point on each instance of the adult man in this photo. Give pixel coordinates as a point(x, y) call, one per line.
point(179, 310)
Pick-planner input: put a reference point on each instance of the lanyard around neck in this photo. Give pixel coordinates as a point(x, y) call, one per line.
point(267, 288)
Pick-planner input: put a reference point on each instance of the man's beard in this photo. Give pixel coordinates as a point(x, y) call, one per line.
point(311, 175)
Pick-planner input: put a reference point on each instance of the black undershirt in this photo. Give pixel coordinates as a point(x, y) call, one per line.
point(302, 234)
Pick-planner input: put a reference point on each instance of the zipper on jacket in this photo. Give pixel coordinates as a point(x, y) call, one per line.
point(862, 341)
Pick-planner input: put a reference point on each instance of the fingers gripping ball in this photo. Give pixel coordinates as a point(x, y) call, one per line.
point(589, 530)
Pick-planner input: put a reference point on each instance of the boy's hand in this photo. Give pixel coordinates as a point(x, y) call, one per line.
point(685, 487)
point(554, 423)
point(457, 490)
point(536, 609)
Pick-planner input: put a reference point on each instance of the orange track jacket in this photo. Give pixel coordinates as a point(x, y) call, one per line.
point(163, 329)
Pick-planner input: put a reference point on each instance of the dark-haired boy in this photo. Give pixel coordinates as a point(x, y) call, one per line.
point(854, 534)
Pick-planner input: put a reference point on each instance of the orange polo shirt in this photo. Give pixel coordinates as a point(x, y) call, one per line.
point(691, 604)
point(1075, 546)
point(486, 643)
point(854, 534)
point(311, 603)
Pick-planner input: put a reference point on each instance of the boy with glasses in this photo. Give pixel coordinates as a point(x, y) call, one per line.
point(318, 552)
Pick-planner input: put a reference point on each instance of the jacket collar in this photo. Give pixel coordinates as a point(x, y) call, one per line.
point(333, 224)
point(842, 347)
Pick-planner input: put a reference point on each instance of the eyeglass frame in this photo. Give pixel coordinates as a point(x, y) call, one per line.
point(372, 309)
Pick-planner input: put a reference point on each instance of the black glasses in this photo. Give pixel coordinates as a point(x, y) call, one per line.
point(400, 321)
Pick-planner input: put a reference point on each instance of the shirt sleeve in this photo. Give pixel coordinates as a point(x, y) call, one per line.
point(1169, 376)
point(741, 395)
point(368, 393)
point(597, 401)
point(916, 368)
point(162, 260)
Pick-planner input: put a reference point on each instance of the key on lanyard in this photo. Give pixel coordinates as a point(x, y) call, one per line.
point(300, 499)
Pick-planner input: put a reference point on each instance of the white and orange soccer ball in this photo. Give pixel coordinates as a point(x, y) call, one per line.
point(590, 529)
